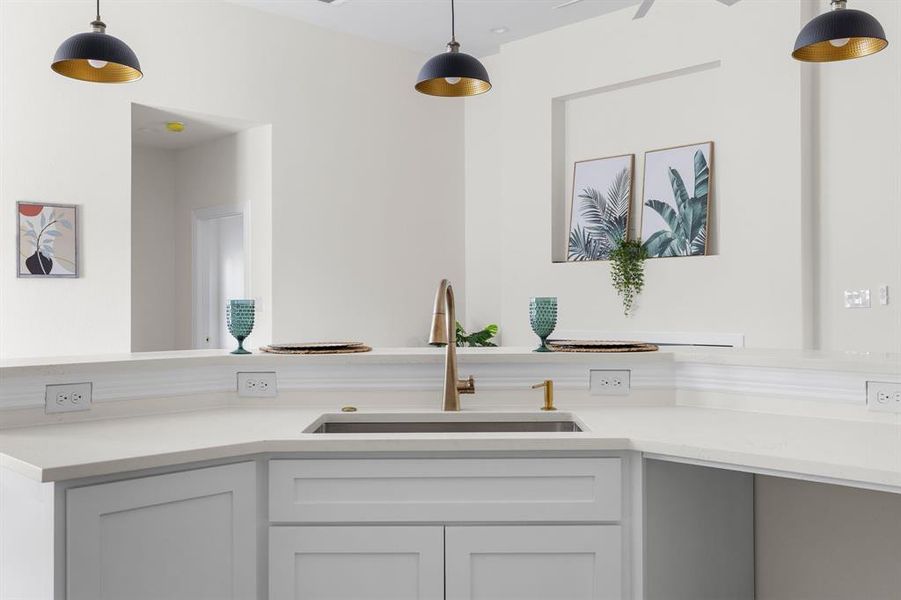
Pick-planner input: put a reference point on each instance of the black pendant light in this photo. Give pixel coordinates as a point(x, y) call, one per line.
point(453, 73)
point(840, 34)
point(97, 56)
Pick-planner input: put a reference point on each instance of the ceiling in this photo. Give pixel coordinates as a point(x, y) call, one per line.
point(148, 128)
point(424, 25)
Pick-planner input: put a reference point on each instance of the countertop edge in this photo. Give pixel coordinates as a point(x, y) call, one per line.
point(889, 363)
point(338, 445)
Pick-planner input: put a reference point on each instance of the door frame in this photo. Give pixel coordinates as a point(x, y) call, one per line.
point(198, 300)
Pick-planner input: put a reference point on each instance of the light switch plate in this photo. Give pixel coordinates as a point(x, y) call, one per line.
point(67, 397)
point(884, 396)
point(257, 384)
point(608, 382)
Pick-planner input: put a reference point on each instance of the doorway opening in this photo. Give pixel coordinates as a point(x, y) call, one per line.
point(201, 228)
point(219, 272)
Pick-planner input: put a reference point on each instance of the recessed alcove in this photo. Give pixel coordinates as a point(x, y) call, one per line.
point(201, 226)
point(631, 117)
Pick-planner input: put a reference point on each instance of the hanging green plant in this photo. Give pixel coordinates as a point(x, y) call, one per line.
point(479, 339)
point(627, 271)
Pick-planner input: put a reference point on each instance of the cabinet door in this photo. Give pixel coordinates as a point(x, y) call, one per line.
point(356, 563)
point(535, 562)
point(190, 535)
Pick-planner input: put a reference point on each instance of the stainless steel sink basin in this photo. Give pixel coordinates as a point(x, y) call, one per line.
point(361, 425)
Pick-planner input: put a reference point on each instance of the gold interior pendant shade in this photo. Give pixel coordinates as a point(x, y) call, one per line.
point(827, 52)
point(110, 73)
point(97, 57)
point(840, 34)
point(467, 86)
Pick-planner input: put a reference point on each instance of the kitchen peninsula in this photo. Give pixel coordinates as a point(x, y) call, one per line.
point(170, 450)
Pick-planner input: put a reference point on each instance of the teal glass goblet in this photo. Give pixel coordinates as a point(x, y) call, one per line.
point(543, 317)
point(239, 317)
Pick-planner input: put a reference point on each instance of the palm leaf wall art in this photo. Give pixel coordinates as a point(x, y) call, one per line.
point(674, 221)
point(602, 200)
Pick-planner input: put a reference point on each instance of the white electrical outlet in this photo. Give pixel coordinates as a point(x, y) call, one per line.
point(857, 298)
point(883, 295)
point(67, 397)
point(257, 384)
point(884, 396)
point(603, 382)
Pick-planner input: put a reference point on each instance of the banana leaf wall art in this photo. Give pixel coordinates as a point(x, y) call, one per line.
point(47, 246)
point(601, 201)
point(676, 201)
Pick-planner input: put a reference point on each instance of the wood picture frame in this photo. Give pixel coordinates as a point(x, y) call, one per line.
point(675, 222)
point(600, 206)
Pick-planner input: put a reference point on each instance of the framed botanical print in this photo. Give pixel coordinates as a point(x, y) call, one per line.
point(676, 202)
point(47, 244)
point(601, 203)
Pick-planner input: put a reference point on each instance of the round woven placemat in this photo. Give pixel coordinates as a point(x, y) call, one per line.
point(328, 348)
point(600, 346)
point(314, 345)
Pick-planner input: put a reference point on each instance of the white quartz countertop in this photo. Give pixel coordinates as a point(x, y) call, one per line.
point(862, 453)
point(796, 359)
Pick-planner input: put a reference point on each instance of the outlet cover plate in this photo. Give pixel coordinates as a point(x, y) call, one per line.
point(857, 298)
point(884, 396)
point(609, 382)
point(67, 397)
point(257, 384)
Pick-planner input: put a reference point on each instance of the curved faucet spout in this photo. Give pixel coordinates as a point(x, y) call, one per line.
point(439, 335)
point(444, 333)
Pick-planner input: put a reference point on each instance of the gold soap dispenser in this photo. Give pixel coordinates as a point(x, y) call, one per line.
point(548, 385)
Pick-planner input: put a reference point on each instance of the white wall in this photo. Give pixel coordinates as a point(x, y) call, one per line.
point(806, 193)
point(688, 72)
point(153, 250)
point(484, 213)
point(367, 198)
point(859, 208)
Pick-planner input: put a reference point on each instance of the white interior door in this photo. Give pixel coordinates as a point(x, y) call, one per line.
point(356, 563)
point(219, 273)
point(534, 562)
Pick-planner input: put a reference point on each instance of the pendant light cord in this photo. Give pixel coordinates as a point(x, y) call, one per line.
point(453, 22)
point(98, 25)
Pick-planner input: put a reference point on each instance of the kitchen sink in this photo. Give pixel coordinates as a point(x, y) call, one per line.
point(379, 424)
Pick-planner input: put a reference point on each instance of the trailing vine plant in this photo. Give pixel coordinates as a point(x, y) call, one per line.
point(627, 270)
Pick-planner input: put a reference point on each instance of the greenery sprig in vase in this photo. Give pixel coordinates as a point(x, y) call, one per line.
point(627, 271)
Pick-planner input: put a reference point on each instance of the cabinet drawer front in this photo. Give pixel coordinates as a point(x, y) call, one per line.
point(398, 490)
